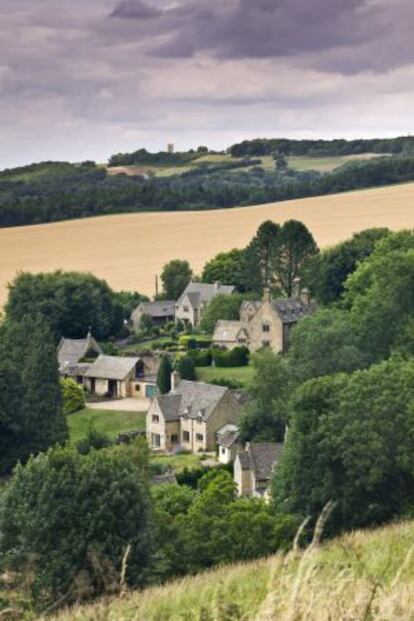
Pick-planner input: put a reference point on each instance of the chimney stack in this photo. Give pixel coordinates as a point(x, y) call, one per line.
point(305, 296)
point(175, 380)
point(266, 294)
point(217, 285)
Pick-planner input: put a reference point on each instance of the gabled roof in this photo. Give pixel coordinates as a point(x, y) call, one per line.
point(261, 459)
point(228, 331)
point(163, 479)
point(191, 399)
point(157, 309)
point(228, 437)
point(71, 351)
point(290, 310)
point(111, 367)
point(200, 293)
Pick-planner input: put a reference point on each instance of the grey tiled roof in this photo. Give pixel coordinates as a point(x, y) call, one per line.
point(162, 479)
point(227, 331)
point(111, 367)
point(202, 293)
point(229, 438)
point(263, 458)
point(70, 351)
point(190, 399)
point(157, 309)
point(291, 310)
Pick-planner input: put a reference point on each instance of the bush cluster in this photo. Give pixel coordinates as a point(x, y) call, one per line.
point(237, 357)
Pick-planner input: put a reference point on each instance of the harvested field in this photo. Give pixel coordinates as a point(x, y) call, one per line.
point(129, 250)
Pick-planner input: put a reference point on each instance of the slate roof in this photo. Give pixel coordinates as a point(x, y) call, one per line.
point(290, 310)
point(261, 459)
point(162, 479)
point(157, 309)
point(191, 399)
point(111, 367)
point(229, 438)
point(200, 293)
point(71, 351)
point(227, 331)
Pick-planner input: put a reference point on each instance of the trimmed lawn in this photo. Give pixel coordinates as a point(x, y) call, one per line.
point(177, 462)
point(240, 374)
point(107, 422)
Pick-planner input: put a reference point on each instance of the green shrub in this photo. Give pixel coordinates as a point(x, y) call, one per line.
point(94, 439)
point(73, 396)
point(67, 520)
point(186, 369)
point(237, 357)
point(201, 358)
point(228, 382)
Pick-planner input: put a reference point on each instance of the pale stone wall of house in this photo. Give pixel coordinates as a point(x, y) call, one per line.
point(224, 455)
point(185, 312)
point(101, 387)
point(166, 430)
point(227, 411)
point(265, 315)
point(197, 430)
point(242, 479)
point(136, 316)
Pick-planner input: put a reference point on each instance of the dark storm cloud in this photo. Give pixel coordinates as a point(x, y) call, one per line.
point(135, 9)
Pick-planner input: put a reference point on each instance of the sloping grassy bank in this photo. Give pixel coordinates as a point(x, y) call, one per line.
point(367, 575)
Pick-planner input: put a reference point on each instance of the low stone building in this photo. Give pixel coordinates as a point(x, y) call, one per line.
point(195, 298)
point(114, 377)
point(160, 312)
point(75, 356)
point(228, 443)
point(264, 323)
point(254, 467)
point(190, 416)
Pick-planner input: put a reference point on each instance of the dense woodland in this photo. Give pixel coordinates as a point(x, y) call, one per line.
point(53, 191)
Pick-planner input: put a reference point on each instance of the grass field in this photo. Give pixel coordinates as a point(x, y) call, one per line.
point(364, 576)
point(177, 462)
point(105, 421)
point(129, 250)
point(239, 374)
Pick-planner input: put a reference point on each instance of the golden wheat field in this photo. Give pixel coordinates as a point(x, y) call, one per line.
point(129, 250)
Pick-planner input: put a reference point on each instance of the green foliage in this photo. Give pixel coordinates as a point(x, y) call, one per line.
point(70, 302)
point(225, 267)
point(236, 357)
point(260, 256)
point(146, 324)
point(128, 300)
point(144, 157)
point(94, 439)
point(193, 341)
point(66, 520)
point(186, 368)
point(201, 358)
point(266, 416)
point(175, 277)
point(323, 344)
point(351, 441)
point(328, 271)
point(31, 417)
point(295, 249)
point(226, 307)
point(164, 375)
point(73, 396)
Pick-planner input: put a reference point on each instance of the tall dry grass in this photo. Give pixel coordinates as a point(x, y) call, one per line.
point(363, 576)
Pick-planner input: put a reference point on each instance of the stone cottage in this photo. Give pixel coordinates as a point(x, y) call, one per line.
point(76, 355)
point(160, 312)
point(228, 443)
point(254, 467)
point(195, 298)
point(190, 416)
point(114, 376)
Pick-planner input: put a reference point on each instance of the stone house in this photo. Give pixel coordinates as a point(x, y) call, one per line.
point(230, 334)
point(254, 467)
point(195, 298)
point(114, 376)
point(190, 416)
point(266, 322)
point(228, 443)
point(75, 356)
point(160, 311)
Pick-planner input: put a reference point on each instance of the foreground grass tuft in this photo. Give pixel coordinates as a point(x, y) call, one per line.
point(363, 576)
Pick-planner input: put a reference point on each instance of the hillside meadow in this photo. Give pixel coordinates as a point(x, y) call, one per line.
point(129, 250)
point(362, 576)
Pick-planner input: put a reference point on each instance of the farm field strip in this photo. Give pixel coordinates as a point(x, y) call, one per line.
point(129, 250)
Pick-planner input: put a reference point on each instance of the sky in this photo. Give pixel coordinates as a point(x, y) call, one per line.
point(88, 78)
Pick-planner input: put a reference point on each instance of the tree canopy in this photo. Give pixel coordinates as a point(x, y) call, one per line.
point(175, 277)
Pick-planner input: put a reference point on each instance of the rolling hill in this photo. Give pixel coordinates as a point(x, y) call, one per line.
point(129, 250)
point(362, 576)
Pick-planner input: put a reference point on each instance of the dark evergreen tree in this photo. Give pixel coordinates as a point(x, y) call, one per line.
point(31, 417)
point(164, 375)
point(186, 369)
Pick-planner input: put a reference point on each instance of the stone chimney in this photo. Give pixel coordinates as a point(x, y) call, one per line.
point(217, 285)
point(305, 296)
point(266, 294)
point(175, 380)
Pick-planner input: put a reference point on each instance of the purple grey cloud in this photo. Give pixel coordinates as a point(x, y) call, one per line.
point(135, 9)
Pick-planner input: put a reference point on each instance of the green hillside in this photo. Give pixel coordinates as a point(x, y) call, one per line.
point(363, 576)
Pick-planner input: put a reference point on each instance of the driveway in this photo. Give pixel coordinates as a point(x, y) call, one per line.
point(124, 405)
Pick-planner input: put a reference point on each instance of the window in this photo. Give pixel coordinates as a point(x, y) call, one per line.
point(186, 309)
point(223, 450)
point(241, 340)
point(174, 438)
point(156, 440)
point(266, 327)
point(186, 436)
point(137, 387)
point(199, 437)
point(155, 418)
point(265, 343)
